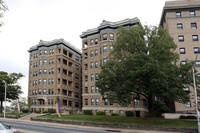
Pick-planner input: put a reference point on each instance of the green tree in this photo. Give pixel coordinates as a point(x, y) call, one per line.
point(144, 63)
point(3, 8)
point(13, 89)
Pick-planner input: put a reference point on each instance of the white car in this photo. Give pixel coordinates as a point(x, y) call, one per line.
point(6, 129)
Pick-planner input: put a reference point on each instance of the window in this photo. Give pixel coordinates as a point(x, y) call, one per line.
point(49, 52)
point(45, 62)
point(198, 76)
point(34, 56)
point(91, 65)
point(76, 95)
point(33, 101)
point(52, 61)
point(36, 64)
point(39, 91)
point(183, 63)
point(45, 52)
point(104, 36)
point(92, 101)
point(195, 37)
point(40, 63)
point(136, 102)
point(52, 51)
point(52, 91)
point(181, 38)
point(92, 89)
point(104, 61)
point(76, 76)
point(40, 71)
point(33, 74)
point(121, 111)
point(52, 81)
point(91, 53)
point(196, 50)
point(96, 52)
point(86, 101)
point(192, 13)
point(51, 101)
point(105, 49)
point(197, 63)
point(111, 36)
point(194, 25)
point(39, 81)
point(33, 65)
point(178, 14)
point(97, 101)
point(179, 26)
point(76, 85)
point(182, 50)
point(45, 71)
point(49, 92)
point(77, 67)
point(97, 90)
point(77, 58)
point(106, 102)
point(96, 41)
point(77, 104)
point(44, 81)
point(37, 55)
point(49, 81)
point(96, 76)
point(40, 52)
point(186, 88)
point(96, 64)
point(35, 92)
point(92, 77)
point(144, 102)
point(35, 82)
point(52, 71)
point(111, 48)
point(188, 105)
point(49, 71)
point(91, 42)
point(36, 73)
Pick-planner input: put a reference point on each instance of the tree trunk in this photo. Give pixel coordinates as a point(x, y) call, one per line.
point(150, 106)
point(1, 107)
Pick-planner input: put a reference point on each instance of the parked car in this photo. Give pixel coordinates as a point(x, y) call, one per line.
point(6, 129)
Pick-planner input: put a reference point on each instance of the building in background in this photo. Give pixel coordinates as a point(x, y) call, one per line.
point(181, 19)
point(97, 44)
point(55, 73)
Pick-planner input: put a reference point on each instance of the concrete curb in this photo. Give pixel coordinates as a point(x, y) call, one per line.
point(119, 126)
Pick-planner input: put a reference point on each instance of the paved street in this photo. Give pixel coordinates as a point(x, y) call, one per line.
point(25, 126)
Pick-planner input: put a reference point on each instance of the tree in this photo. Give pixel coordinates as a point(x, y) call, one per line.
point(144, 63)
point(13, 90)
point(22, 102)
point(3, 8)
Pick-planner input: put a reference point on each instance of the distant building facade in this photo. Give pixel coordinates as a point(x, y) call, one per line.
point(181, 19)
point(54, 73)
point(97, 44)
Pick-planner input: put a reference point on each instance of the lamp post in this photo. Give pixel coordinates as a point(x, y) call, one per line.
point(195, 91)
point(5, 100)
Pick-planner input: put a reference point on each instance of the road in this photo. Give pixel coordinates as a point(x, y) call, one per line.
point(45, 128)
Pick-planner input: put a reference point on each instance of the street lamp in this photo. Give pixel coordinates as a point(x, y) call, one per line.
point(195, 91)
point(5, 100)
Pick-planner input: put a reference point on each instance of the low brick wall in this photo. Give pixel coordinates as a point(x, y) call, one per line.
point(120, 126)
point(12, 117)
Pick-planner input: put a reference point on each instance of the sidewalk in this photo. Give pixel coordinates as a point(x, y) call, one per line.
point(84, 127)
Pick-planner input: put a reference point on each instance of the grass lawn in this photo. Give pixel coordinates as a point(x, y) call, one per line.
point(12, 114)
point(128, 120)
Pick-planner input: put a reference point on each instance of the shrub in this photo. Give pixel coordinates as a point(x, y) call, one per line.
point(114, 114)
point(188, 117)
point(129, 113)
point(51, 111)
point(44, 112)
point(87, 112)
point(100, 113)
point(37, 111)
point(25, 110)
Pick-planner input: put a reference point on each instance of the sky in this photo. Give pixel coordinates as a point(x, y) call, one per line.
point(29, 21)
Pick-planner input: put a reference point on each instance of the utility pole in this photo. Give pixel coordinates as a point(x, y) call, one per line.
point(5, 100)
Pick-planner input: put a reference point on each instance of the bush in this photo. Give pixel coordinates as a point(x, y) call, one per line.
point(129, 113)
point(25, 110)
point(114, 114)
point(51, 111)
point(188, 117)
point(44, 112)
point(100, 113)
point(87, 112)
point(37, 111)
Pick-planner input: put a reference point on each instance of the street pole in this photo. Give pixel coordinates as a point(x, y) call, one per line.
point(195, 92)
point(5, 101)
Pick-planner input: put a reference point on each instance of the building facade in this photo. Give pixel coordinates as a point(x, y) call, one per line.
point(181, 19)
point(55, 73)
point(97, 44)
